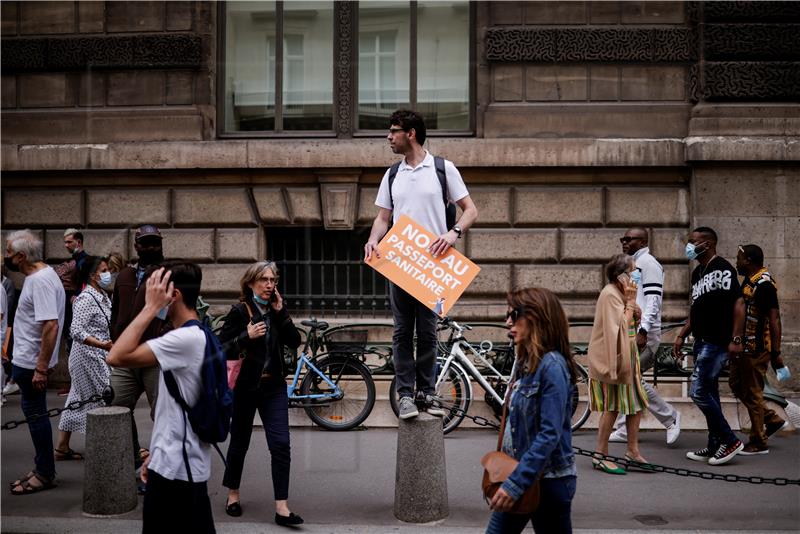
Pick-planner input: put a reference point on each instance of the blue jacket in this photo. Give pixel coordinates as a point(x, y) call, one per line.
point(540, 416)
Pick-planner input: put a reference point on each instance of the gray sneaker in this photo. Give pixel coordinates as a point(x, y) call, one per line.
point(407, 408)
point(432, 409)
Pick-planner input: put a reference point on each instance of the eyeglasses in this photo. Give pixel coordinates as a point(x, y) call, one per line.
point(627, 239)
point(267, 280)
point(515, 314)
point(395, 130)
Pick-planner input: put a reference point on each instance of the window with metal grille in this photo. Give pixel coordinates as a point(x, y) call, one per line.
point(323, 272)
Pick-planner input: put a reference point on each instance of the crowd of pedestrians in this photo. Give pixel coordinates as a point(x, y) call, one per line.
point(131, 325)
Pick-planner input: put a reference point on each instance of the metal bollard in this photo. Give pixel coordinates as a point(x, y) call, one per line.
point(109, 486)
point(420, 493)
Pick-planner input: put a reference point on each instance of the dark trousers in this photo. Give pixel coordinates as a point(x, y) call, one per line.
point(35, 402)
point(412, 316)
point(554, 515)
point(272, 403)
point(176, 506)
point(747, 383)
point(708, 362)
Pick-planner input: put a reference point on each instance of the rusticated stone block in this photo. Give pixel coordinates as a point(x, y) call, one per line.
point(304, 205)
point(512, 245)
point(590, 244)
point(9, 91)
point(791, 237)
point(212, 206)
point(676, 280)
point(766, 232)
point(135, 16)
point(492, 203)
point(42, 208)
point(649, 12)
point(506, 12)
point(719, 192)
point(561, 279)
point(562, 82)
point(91, 17)
point(92, 89)
point(179, 16)
point(127, 207)
point(8, 11)
point(653, 83)
point(222, 279)
point(787, 274)
point(137, 88)
point(555, 12)
point(648, 205)
point(507, 83)
point(45, 91)
point(547, 205)
point(492, 280)
point(367, 210)
point(271, 205)
point(37, 18)
point(604, 12)
point(604, 82)
point(179, 88)
point(668, 244)
point(235, 244)
point(95, 242)
point(192, 245)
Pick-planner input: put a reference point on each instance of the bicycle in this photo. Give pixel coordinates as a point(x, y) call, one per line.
point(337, 391)
point(456, 370)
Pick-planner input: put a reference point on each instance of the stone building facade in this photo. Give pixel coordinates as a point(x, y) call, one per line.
point(584, 118)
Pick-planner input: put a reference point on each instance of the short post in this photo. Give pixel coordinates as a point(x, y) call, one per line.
point(109, 486)
point(420, 493)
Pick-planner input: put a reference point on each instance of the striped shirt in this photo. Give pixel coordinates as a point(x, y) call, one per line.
point(650, 294)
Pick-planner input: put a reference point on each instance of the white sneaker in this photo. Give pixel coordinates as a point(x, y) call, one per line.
point(674, 430)
point(11, 388)
point(618, 436)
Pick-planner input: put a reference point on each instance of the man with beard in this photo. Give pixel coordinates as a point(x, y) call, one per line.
point(128, 301)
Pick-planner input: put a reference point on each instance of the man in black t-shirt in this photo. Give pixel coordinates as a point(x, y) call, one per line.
point(716, 320)
point(762, 344)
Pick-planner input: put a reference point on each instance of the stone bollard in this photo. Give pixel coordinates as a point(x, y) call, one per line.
point(109, 486)
point(420, 493)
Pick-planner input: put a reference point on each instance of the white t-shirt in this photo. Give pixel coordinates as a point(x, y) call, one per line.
point(3, 313)
point(181, 351)
point(416, 192)
point(42, 299)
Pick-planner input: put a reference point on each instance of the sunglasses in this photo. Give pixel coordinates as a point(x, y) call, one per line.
point(627, 239)
point(515, 314)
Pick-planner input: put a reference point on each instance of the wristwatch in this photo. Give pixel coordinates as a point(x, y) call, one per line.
point(457, 229)
point(737, 340)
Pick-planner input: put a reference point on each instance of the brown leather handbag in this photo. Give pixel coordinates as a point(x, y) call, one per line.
point(498, 466)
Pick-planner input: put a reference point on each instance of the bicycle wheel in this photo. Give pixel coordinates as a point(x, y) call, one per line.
point(453, 394)
point(358, 393)
point(580, 398)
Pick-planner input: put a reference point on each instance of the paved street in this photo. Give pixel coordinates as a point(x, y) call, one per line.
point(344, 482)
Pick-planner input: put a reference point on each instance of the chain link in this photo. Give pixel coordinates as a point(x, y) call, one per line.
point(52, 412)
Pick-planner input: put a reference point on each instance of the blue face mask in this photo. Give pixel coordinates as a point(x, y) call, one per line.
point(259, 300)
point(162, 313)
point(636, 276)
point(106, 280)
point(691, 251)
point(783, 373)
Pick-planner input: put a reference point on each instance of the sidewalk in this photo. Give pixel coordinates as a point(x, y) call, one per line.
point(344, 482)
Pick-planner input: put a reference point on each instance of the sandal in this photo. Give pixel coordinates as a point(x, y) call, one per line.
point(34, 484)
point(639, 465)
point(69, 454)
point(21, 479)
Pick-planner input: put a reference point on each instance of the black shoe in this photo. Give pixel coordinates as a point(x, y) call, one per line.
point(233, 509)
point(292, 520)
point(774, 428)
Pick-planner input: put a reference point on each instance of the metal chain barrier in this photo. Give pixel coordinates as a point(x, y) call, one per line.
point(655, 468)
point(107, 396)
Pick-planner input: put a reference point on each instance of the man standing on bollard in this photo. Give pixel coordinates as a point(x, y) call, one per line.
point(716, 319)
point(420, 186)
point(649, 296)
point(175, 500)
point(762, 345)
point(37, 329)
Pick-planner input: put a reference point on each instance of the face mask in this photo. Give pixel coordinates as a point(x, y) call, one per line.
point(162, 313)
point(150, 258)
point(783, 373)
point(11, 266)
point(636, 276)
point(691, 251)
point(259, 300)
point(106, 280)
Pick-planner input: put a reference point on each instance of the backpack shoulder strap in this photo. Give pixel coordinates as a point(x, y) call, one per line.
point(438, 163)
point(392, 175)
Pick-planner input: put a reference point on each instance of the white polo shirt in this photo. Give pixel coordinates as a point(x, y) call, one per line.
point(416, 192)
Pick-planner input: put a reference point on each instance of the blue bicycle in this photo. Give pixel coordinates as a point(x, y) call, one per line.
point(337, 391)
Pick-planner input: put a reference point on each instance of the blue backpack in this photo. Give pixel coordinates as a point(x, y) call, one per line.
point(210, 417)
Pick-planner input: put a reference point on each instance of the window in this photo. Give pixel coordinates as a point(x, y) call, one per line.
point(284, 70)
point(323, 272)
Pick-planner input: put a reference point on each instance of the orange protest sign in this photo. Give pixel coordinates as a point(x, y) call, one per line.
point(405, 261)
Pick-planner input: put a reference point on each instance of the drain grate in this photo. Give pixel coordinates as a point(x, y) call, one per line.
point(651, 520)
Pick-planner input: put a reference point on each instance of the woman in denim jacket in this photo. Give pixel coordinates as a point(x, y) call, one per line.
point(538, 430)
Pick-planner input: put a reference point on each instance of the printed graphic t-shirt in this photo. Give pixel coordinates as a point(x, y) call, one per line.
point(715, 289)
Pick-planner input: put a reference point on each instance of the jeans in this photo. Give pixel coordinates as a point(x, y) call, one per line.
point(708, 363)
point(176, 506)
point(553, 515)
point(747, 382)
point(272, 402)
point(412, 316)
point(35, 402)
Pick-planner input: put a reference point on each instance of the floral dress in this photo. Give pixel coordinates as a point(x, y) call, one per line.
point(87, 365)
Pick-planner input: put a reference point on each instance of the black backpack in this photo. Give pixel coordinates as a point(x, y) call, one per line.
point(449, 207)
point(210, 417)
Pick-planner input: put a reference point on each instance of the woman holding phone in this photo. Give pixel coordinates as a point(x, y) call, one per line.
point(615, 380)
point(256, 329)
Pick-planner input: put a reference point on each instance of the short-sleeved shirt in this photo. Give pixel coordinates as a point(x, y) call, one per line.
point(760, 296)
point(417, 193)
point(181, 351)
point(715, 289)
point(42, 299)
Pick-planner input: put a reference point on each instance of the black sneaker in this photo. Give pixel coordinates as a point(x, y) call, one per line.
point(700, 456)
point(774, 428)
point(725, 453)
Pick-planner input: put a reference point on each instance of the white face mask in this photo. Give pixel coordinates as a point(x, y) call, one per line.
point(107, 280)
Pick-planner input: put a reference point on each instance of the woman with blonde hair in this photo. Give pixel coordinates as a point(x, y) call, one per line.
point(538, 429)
point(256, 329)
point(615, 380)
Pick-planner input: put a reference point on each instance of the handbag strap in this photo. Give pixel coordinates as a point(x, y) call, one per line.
point(506, 402)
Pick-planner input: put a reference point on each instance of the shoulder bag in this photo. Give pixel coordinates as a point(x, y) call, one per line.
point(235, 366)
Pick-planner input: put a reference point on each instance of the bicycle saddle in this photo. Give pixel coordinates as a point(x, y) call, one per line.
point(313, 323)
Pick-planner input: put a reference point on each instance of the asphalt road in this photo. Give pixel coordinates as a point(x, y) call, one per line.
point(344, 482)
